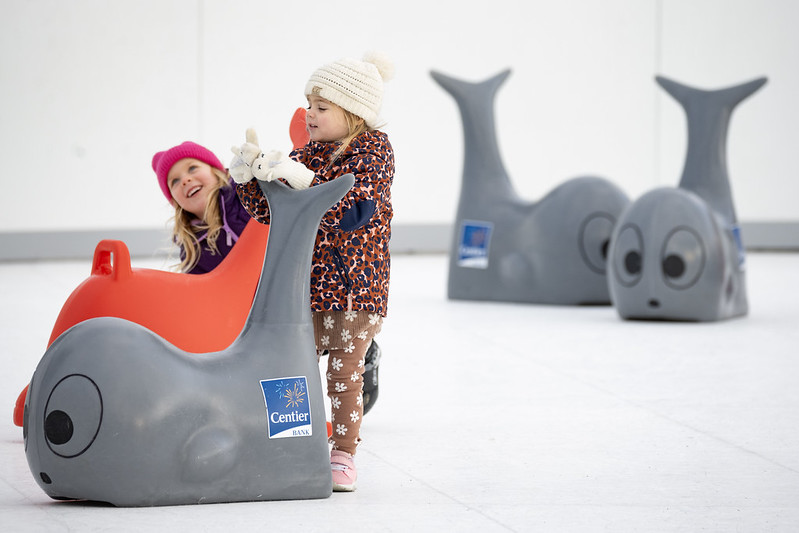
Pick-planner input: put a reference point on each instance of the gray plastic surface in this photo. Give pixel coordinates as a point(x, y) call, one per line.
point(677, 253)
point(507, 249)
point(117, 414)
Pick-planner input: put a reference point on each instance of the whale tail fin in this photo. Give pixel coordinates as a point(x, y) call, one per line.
point(484, 174)
point(283, 292)
point(461, 90)
point(726, 98)
point(708, 114)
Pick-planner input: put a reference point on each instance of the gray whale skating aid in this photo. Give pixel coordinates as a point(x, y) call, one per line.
point(507, 249)
point(117, 414)
point(677, 253)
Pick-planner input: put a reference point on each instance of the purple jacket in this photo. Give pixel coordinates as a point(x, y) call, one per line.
point(234, 219)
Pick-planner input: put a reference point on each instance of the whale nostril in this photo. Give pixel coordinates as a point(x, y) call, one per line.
point(45, 478)
point(654, 303)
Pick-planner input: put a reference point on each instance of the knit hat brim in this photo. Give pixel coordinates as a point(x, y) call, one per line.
point(356, 86)
point(163, 161)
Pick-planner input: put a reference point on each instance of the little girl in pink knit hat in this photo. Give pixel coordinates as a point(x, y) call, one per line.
point(208, 215)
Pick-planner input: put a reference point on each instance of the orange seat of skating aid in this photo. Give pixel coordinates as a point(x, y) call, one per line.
point(198, 313)
point(297, 131)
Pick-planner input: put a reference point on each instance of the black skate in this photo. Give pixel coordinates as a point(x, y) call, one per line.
point(371, 362)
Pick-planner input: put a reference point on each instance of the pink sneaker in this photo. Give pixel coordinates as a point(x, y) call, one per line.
point(343, 470)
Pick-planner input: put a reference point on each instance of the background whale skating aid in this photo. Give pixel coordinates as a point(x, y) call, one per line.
point(677, 253)
point(507, 249)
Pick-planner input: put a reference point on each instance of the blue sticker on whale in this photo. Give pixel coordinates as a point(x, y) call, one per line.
point(473, 245)
point(287, 407)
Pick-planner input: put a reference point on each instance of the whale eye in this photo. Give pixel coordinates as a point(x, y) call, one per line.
point(682, 258)
point(594, 238)
point(58, 427)
point(632, 262)
point(673, 266)
point(73, 415)
point(628, 255)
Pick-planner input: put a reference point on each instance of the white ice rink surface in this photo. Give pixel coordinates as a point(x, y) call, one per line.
point(502, 417)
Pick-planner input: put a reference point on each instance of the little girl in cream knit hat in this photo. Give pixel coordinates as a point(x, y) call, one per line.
point(351, 262)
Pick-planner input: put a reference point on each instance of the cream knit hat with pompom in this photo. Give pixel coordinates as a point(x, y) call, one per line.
point(356, 86)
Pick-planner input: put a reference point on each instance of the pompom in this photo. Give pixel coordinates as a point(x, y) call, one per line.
point(383, 63)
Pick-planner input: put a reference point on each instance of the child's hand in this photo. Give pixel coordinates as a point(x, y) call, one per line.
point(274, 165)
point(241, 165)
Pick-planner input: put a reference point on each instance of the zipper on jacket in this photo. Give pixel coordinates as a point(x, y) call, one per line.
point(342, 272)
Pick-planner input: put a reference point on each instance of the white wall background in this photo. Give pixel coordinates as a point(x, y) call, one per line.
point(90, 89)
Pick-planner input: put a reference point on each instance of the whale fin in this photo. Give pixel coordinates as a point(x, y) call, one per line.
point(708, 115)
point(295, 217)
point(209, 454)
point(460, 90)
point(484, 175)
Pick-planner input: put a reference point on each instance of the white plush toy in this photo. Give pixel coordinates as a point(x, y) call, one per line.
point(250, 162)
point(240, 166)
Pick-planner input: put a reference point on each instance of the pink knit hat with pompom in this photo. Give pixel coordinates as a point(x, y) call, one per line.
point(163, 161)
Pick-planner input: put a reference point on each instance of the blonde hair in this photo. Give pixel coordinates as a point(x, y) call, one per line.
point(184, 231)
point(355, 126)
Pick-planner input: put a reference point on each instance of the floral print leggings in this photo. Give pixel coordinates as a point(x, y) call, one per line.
point(345, 336)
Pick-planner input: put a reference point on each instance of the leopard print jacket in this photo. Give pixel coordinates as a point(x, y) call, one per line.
point(351, 262)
